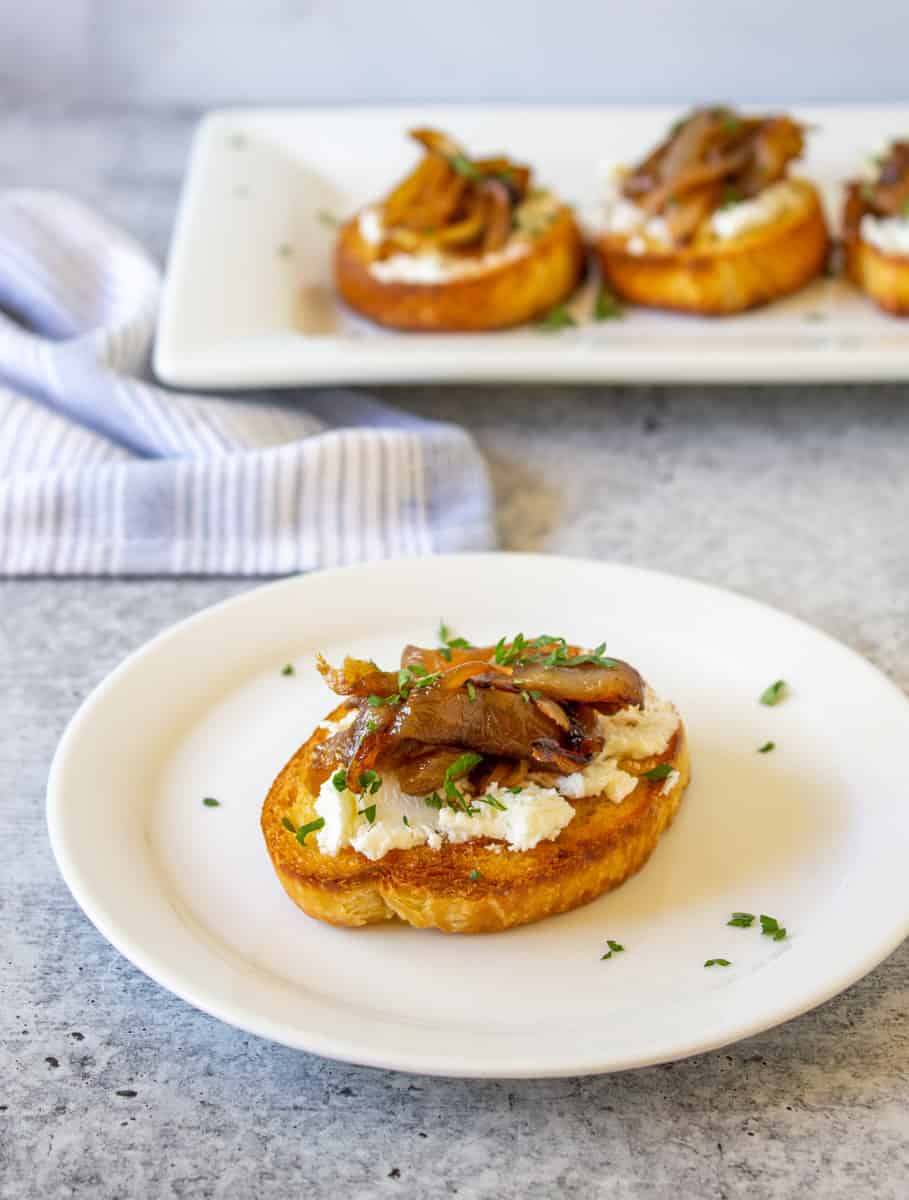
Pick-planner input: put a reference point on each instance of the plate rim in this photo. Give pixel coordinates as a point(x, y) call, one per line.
point(235, 1014)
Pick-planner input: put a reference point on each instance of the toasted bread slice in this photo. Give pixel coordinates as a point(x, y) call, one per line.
point(718, 277)
point(508, 289)
point(885, 277)
point(599, 849)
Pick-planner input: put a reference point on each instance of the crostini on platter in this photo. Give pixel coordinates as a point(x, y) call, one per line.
point(460, 244)
point(710, 221)
point(876, 230)
point(475, 788)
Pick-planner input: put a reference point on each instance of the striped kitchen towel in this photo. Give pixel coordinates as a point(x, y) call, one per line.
point(104, 473)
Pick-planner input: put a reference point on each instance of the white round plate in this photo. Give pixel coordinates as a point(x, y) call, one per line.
point(815, 833)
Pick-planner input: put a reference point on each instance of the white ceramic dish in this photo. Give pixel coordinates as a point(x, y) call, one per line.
point(815, 833)
point(249, 302)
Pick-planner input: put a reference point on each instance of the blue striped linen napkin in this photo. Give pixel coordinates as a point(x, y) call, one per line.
point(104, 473)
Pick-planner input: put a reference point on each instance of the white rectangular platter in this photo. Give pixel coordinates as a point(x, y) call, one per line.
point(248, 300)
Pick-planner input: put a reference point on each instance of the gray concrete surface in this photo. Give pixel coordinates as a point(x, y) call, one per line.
point(110, 1087)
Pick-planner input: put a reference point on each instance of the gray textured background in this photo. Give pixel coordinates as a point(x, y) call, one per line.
point(109, 1087)
point(197, 52)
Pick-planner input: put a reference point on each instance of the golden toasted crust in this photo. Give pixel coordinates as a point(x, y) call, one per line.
point(507, 293)
point(717, 278)
point(600, 848)
point(885, 277)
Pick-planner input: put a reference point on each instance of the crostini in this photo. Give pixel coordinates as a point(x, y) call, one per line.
point(475, 788)
point(710, 222)
point(876, 230)
point(460, 244)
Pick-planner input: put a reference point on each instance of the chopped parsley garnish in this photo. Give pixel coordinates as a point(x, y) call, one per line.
point(515, 791)
point(474, 875)
point(461, 766)
point(405, 820)
point(492, 802)
point(288, 825)
point(371, 726)
point(770, 927)
point(717, 962)
point(311, 827)
point(463, 166)
point(606, 307)
point(369, 813)
point(289, 669)
point(339, 780)
point(731, 123)
point(614, 946)
point(434, 801)
point(370, 782)
point(329, 220)
point(557, 318)
point(660, 771)
point(741, 920)
point(409, 678)
point(766, 748)
point(906, 207)
point(774, 693)
point(471, 691)
point(211, 802)
point(446, 641)
point(525, 696)
point(519, 651)
point(731, 195)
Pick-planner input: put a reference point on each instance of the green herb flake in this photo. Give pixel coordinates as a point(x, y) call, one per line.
point(606, 306)
point(289, 669)
point(434, 801)
point(211, 802)
point(660, 771)
point(474, 875)
point(515, 791)
point(615, 947)
point(371, 726)
point(731, 196)
point(492, 802)
point(471, 691)
point(717, 962)
point(741, 920)
point(311, 827)
point(557, 318)
point(766, 748)
point(462, 765)
point(774, 693)
point(405, 820)
point(463, 166)
point(285, 250)
point(369, 813)
point(731, 123)
point(288, 825)
point(329, 220)
point(770, 927)
point(339, 780)
point(608, 954)
point(370, 781)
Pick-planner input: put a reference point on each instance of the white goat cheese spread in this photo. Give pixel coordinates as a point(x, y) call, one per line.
point(623, 216)
point(435, 266)
point(763, 209)
point(890, 235)
point(527, 817)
